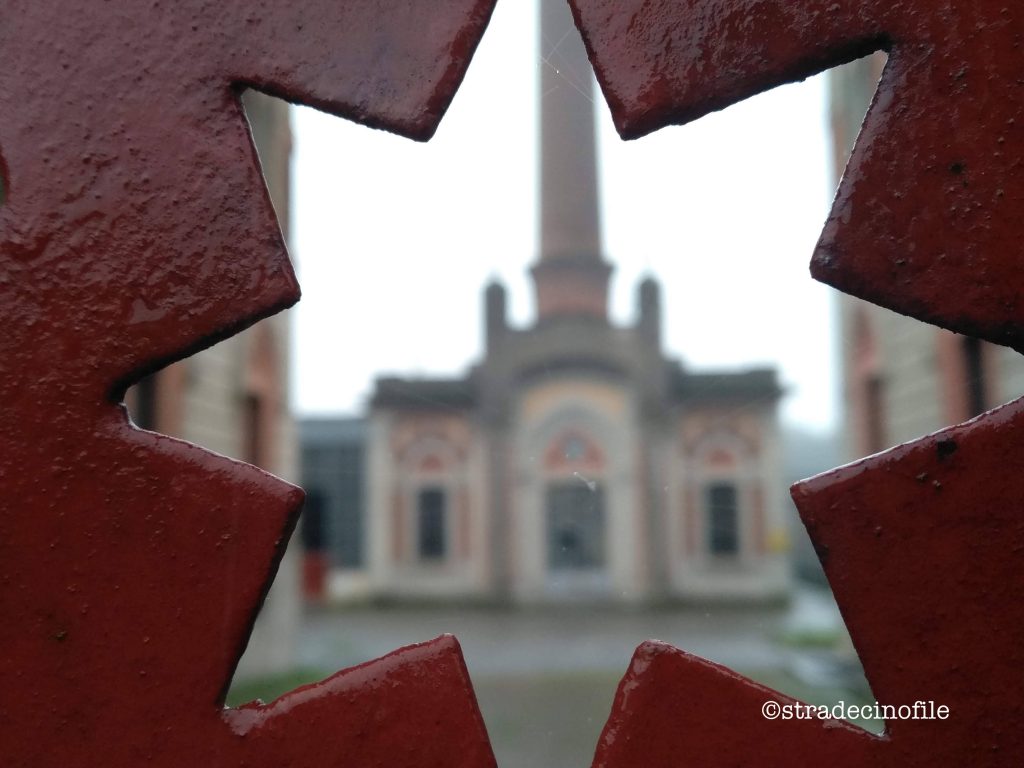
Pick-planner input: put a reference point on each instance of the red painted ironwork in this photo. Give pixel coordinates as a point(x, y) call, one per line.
point(922, 545)
point(136, 229)
point(926, 221)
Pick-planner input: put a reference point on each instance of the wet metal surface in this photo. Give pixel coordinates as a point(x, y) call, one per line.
point(923, 545)
point(927, 219)
point(135, 230)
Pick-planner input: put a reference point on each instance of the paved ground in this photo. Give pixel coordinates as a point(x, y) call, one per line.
point(511, 642)
point(545, 679)
point(516, 642)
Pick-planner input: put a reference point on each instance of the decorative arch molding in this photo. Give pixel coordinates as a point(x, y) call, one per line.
point(722, 451)
point(565, 421)
point(431, 454)
point(573, 450)
point(600, 413)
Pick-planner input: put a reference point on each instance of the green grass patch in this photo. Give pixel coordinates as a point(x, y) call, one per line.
point(810, 638)
point(269, 688)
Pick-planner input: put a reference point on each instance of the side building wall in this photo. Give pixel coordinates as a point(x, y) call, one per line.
point(233, 399)
point(252, 389)
point(902, 378)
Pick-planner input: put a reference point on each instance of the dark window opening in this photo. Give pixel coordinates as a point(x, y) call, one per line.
point(575, 527)
point(874, 413)
point(432, 544)
point(146, 394)
point(313, 538)
point(253, 442)
point(333, 466)
point(723, 519)
point(348, 516)
point(974, 371)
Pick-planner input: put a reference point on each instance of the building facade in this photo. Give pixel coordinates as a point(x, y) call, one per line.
point(232, 399)
point(575, 460)
point(903, 378)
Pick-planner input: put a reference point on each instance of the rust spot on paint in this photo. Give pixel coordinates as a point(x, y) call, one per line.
point(946, 448)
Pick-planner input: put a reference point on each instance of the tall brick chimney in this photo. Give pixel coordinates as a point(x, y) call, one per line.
point(571, 276)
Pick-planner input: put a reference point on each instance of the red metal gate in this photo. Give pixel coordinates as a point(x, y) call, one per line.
point(135, 230)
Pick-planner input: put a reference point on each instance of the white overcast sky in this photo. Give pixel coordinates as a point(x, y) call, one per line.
point(394, 240)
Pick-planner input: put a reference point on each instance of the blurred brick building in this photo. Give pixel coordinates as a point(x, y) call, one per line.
point(232, 399)
point(903, 378)
point(575, 459)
